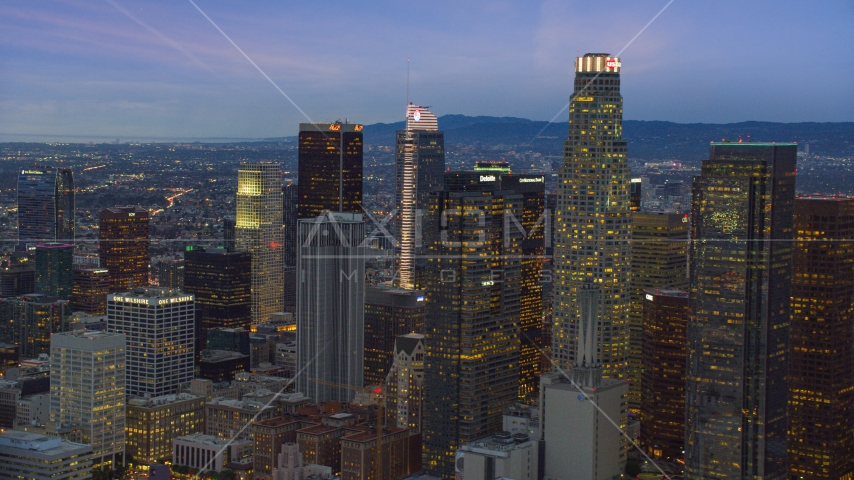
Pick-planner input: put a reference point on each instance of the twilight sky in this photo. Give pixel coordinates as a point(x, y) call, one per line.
point(152, 68)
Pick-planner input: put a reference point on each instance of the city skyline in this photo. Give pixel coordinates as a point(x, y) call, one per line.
point(164, 70)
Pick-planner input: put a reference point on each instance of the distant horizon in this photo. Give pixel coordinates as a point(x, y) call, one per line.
point(124, 139)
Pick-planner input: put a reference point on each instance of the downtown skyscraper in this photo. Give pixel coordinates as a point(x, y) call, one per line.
point(419, 170)
point(593, 234)
point(821, 386)
point(259, 230)
point(471, 327)
point(330, 168)
point(738, 328)
point(45, 205)
point(331, 306)
point(123, 248)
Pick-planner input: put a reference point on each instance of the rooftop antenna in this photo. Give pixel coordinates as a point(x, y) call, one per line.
point(407, 80)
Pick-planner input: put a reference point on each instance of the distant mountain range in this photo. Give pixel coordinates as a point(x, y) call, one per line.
point(647, 140)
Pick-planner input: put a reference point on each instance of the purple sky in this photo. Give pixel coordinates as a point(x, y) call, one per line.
point(130, 68)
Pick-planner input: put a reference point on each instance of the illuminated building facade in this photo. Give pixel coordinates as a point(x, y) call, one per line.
point(472, 321)
point(221, 282)
point(665, 319)
point(159, 327)
point(405, 384)
point(90, 289)
point(45, 205)
point(225, 417)
point(389, 312)
point(124, 246)
point(260, 232)
point(659, 260)
point(153, 423)
point(54, 274)
point(30, 320)
point(821, 385)
point(419, 170)
point(635, 194)
point(290, 205)
point(17, 275)
point(330, 168)
point(270, 436)
point(331, 306)
point(593, 234)
point(37, 456)
point(359, 454)
point(534, 226)
point(87, 389)
point(738, 328)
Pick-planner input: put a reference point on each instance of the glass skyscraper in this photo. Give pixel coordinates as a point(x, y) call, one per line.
point(330, 168)
point(54, 270)
point(221, 282)
point(331, 306)
point(738, 329)
point(45, 205)
point(593, 234)
point(124, 246)
point(472, 321)
point(259, 230)
point(419, 170)
point(821, 389)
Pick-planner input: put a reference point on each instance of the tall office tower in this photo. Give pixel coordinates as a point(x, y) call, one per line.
point(259, 231)
point(90, 289)
point(389, 312)
point(575, 412)
point(738, 330)
point(472, 321)
point(45, 205)
point(635, 194)
point(87, 390)
point(662, 417)
point(158, 324)
point(54, 274)
point(594, 222)
point(534, 226)
point(821, 397)
point(331, 306)
point(404, 385)
point(221, 282)
point(30, 320)
point(659, 260)
point(290, 205)
point(17, 275)
point(330, 168)
point(419, 170)
point(124, 246)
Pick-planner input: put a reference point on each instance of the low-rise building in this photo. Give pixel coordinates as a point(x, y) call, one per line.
point(209, 453)
point(359, 454)
point(503, 455)
point(291, 466)
point(33, 410)
point(270, 435)
point(152, 424)
point(26, 455)
point(222, 365)
point(226, 417)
